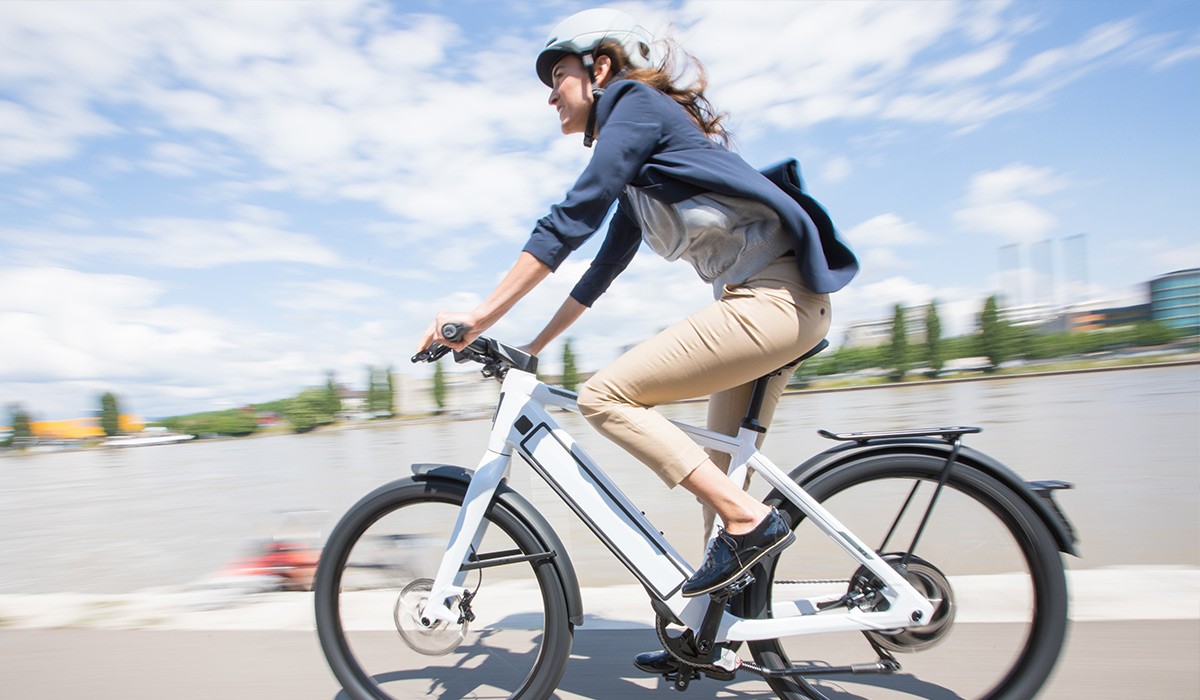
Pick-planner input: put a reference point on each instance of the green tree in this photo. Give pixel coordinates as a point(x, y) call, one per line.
point(1153, 333)
point(897, 355)
point(110, 414)
point(332, 403)
point(308, 410)
point(846, 359)
point(380, 390)
point(231, 422)
point(995, 334)
point(372, 389)
point(570, 376)
point(391, 391)
point(934, 353)
point(439, 387)
point(20, 420)
point(234, 422)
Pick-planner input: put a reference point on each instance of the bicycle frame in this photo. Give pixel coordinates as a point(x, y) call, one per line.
point(523, 423)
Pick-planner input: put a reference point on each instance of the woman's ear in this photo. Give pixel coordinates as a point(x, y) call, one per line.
point(602, 68)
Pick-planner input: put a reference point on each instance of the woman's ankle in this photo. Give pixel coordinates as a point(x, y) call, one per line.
point(748, 523)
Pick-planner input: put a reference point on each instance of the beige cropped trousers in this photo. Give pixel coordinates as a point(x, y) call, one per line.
point(755, 328)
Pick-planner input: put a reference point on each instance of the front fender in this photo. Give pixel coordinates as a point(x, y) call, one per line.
point(524, 511)
point(1045, 508)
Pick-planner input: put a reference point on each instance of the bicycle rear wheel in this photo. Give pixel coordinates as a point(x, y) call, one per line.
point(373, 579)
point(984, 556)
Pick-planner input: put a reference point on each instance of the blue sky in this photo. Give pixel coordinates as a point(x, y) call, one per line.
point(209, 204)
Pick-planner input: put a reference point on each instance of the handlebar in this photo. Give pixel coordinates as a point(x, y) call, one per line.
point(495, 357)
point(454, 331)
point(436, 351)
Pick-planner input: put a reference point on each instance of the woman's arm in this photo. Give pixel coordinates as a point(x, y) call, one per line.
point(524, 275)
point(568, 313)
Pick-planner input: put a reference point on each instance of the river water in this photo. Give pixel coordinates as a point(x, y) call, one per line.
point(122, 520)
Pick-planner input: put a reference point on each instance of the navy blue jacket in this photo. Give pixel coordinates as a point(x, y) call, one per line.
point(647, 140)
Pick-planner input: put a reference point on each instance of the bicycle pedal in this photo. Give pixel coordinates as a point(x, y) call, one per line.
point(681, 679)
point(733, 588)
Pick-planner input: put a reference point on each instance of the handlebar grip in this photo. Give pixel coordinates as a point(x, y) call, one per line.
point(454, 331)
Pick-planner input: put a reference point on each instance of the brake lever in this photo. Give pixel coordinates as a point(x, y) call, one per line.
point(431, 354)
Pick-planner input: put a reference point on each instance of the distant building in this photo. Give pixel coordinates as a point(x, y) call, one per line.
point(352, 400)
point(1045, 318)
point(1175, 300)
point(1099, 318)
point(81, 428)
point(870, 334)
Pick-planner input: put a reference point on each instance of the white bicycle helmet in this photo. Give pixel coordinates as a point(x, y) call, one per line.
point(582, 32)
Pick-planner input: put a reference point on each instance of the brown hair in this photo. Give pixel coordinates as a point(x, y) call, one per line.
point(666, 77)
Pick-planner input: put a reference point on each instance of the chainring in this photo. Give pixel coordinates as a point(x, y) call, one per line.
point(683, 648)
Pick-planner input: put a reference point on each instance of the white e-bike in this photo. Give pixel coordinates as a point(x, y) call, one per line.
point(909, 545)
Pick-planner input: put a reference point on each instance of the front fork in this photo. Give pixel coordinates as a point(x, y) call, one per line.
point(469, 529)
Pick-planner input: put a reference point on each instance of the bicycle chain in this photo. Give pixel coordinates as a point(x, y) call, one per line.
point(660, 626)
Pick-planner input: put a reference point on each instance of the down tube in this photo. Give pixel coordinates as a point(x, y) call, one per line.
point(601, 505)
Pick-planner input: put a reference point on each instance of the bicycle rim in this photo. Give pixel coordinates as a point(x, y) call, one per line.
point(370, 585)
point(1003, 618)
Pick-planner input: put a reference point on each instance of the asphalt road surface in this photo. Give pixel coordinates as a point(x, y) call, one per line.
point(1118, 659)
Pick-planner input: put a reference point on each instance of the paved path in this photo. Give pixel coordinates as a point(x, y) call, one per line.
point(1130, 659)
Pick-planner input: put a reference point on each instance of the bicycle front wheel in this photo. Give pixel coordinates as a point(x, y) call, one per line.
point(512, 641)
point(985, 559)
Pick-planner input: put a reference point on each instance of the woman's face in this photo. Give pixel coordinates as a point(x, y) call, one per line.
point(571, 94)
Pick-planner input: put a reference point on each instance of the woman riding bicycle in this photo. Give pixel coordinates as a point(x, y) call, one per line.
point(750, 236)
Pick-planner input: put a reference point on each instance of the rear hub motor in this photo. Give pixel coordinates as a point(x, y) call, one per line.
point(929, 582)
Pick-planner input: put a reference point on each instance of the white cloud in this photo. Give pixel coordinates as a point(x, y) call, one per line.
point(876, 240)
point(198, 243)
point(327, 295)
point(336, 99)
point(942, 63)
point(874, 300)
point(968, 66)
point(61, 324)
point(70, 335)
point(837, 169)
point(886, 230)
point(182, 160)
point(177, 242)
point(998, 202)
point(1180, 55)
point(1066, 63)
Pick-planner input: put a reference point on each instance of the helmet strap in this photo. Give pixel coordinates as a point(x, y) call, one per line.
point(597, 92)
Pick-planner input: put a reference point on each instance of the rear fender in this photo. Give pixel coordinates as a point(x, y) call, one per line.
point(523, 510)
point(1036, 495)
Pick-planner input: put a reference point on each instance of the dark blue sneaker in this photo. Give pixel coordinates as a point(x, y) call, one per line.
point(663, 664)
point(730, 556)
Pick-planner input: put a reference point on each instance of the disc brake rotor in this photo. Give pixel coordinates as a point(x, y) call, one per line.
point(436, 639)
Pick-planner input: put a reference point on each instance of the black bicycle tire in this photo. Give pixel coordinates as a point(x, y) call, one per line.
point(558, 634)
point(1044, 644)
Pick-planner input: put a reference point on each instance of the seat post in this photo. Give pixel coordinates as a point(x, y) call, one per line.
point(754, 408)
point(758, 392)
